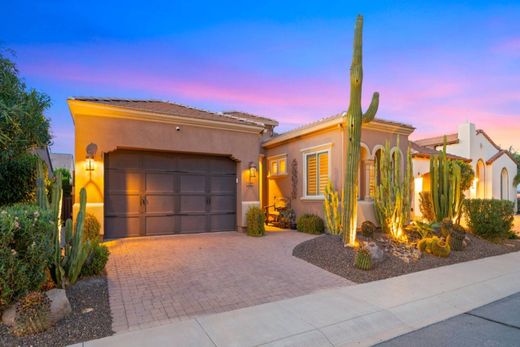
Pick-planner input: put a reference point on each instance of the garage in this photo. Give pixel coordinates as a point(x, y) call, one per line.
point(159, 193)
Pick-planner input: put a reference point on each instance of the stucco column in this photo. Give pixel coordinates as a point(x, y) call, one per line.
point(369, 181)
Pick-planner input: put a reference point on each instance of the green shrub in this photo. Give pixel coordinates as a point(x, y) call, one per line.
point(66, 180)
point(255, 222)
point(25, 250)
point(91, 228)
point(310, 224)
point(96, 261)
point(17, 179)
point(489, 218)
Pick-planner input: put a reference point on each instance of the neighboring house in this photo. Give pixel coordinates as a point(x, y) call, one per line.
point(62, 161)
point(43, 154)
point(155, 167)
point(494, 167)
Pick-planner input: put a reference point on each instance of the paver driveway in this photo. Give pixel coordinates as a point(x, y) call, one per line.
point(156, 280)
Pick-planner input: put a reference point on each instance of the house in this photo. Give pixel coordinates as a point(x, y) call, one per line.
point(44, 155)
point(494, 167)
point(152, 167)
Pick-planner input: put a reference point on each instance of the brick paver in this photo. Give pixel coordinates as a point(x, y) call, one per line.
point(157, 280)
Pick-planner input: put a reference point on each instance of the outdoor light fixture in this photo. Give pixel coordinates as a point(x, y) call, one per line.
point(90, 164)
point(252, 172)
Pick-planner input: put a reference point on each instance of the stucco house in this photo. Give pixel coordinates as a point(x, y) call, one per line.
point(494, 167)
point(153, 167)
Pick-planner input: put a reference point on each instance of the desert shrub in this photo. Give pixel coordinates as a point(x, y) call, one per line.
point(91, 227)
point(25, 250)
point(491, 219)
point(310, 224)
point(17, 179)
point(96, 261)
point(426, 206)
point(255, 222)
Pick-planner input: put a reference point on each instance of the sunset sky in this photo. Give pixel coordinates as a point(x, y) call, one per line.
point(435, 64)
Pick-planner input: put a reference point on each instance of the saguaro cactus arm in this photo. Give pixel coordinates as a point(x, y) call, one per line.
point(370, 113)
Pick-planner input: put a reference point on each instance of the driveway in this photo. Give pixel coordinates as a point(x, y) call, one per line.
point(158, 280)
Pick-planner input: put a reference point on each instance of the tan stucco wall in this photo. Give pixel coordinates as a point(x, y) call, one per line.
point(371, 139)
point(110, 134)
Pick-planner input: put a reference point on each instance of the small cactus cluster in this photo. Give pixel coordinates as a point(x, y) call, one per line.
point(454, 234)
point(434, 246)
point(32, 314)
point(363, 259)
point(368, 228)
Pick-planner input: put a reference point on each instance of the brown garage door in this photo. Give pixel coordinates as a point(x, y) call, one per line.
point(153, 193)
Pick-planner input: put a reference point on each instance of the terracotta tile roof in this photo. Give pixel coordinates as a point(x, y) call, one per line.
point(426, 152)
point(438, 140)
point(167, 108)
point(251, 117)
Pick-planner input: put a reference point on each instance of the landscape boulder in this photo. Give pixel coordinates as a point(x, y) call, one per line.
point(376, 253)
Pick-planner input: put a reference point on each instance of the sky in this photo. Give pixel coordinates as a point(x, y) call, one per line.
point(436, 64)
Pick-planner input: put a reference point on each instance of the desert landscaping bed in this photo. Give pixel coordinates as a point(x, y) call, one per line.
point(329, 253)
point(90, 318)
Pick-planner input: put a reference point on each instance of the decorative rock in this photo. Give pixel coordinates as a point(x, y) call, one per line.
point(9, 315)
point(376, 253)
point(60, 305)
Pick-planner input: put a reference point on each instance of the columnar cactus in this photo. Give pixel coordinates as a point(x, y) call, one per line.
point(445, 187)
point(352, 120)
point(333, 209)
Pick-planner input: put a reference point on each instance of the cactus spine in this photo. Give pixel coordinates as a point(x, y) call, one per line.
point(333, 209)
point(352, 121)
point(363, 260)
point(392, 195)
point(445, 187)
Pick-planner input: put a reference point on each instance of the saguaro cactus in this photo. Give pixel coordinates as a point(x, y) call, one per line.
point(352, 120)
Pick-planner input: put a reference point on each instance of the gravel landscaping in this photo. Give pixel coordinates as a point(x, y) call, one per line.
point(90, 318)
point(329, 253)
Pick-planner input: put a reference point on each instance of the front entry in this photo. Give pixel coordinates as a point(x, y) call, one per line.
point(156, 193)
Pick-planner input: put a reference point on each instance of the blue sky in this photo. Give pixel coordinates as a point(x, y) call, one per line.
point(436, 64)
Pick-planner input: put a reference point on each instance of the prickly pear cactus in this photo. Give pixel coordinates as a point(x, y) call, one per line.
point(353, 119)
point(363, 260)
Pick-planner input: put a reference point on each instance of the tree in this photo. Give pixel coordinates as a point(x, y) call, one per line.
point(23, 127)
point(516, 155)
point(22, 123)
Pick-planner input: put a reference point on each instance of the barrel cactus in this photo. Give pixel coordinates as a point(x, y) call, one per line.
point(440, 248)
point(368, 228)
point(353, 119)
point(363, 260)
point(32, 314)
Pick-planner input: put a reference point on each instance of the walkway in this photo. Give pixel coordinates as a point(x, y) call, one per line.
point(160, 280)
point(360, 315)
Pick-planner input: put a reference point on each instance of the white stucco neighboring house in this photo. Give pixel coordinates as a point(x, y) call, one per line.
point(62, 160)
point(494, 167)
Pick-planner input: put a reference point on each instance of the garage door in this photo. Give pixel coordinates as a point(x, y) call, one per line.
point(149, 193)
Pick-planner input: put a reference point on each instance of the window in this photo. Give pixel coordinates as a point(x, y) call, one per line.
point(504, 185)
point(278, 165)
point(316, 173)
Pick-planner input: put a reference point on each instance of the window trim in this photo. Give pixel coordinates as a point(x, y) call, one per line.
point(316, 150)
point(277, 159)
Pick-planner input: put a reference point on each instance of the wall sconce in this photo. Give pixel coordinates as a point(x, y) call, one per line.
point(90, 164)
point(252, 172)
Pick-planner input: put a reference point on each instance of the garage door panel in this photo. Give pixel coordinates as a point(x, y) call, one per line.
point(160, 225)
point(223, 222)
point(223, 166)
point(124, 160)
point(158, 161)
point(193, 224)
point(193, 203)
point(124, 182)
point(223, 184)
point(223, 203)
point(123, 226)
point(160, 203)
point(192, 164)
point(192, 184)
point(159, 183)
point(122, 204)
